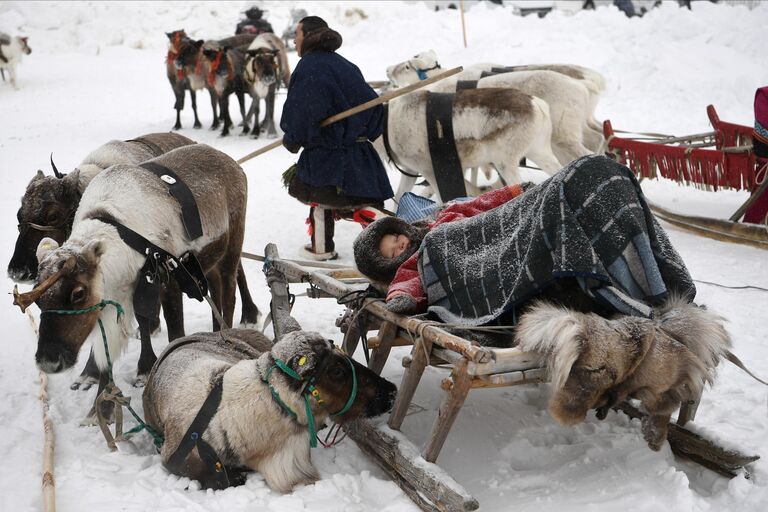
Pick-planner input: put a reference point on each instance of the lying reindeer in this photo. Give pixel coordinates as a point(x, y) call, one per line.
point(597, 363)
point(11, 51)
point(101, 261)
point(490, 126)
point(266, 67)
point(261, 423)
point(568, 100)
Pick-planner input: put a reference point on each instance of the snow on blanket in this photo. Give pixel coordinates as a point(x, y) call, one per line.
point(589, 221)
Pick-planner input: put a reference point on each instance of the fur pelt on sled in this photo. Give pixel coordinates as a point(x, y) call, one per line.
point(596, 362)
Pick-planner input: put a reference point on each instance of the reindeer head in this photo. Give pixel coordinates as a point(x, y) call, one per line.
point(609, 351)
point(188, 53)
point(414, 69)
point(67, 280)
point(47, 210)
point(218, 62)
point(25, 49)
point(175, 39)
point(261, 65)
point(318, 362)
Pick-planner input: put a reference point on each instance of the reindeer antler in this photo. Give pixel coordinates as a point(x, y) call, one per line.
point(24, 300)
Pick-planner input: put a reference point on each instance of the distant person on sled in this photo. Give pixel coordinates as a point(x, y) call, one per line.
point(339, 174)
point(254, 23)
point(585, 237)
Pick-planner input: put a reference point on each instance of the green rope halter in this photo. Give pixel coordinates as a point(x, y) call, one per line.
point(156, 436)
point(310, 389)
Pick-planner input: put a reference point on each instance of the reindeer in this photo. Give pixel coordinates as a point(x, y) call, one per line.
point(11, 51)
point(184, 66)
point(568, 101)
point(97, 263)
point(266, 67)
point(251, 429)
point(491, 126)
point(596, 362)
point(223, 66)
point(572, 111)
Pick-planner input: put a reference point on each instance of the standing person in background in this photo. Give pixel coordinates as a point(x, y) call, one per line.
point(339, 174)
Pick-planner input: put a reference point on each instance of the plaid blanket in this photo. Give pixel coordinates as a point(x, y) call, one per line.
point(590, 221)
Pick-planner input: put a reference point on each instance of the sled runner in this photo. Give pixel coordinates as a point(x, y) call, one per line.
point(721, 158)
point(471, 366)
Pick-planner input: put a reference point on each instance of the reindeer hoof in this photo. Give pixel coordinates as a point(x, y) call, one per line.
point(198, 124)
point(83, 383)
point(177, 127)
point(141, 381)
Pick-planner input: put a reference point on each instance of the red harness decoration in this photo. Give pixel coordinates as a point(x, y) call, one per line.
point(173, 52)
point(715, 168)
point(215, 67)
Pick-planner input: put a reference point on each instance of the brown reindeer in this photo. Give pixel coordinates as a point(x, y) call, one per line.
point(185, 70)
point(596, 363)
point(99, 262)
point(223, 66)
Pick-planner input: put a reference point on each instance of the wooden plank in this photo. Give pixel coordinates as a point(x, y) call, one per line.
point(380, 353)
point(411, 376)
point(506, 360)
point(535, 376)
point(456, 388)
point(280, 306)
point(700, 450)
point(431, 488)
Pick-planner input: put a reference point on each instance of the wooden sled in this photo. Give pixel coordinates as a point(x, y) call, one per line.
point(471, 366)
point(721, 158)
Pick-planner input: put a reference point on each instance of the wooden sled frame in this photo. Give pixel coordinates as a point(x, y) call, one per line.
point(471, 366)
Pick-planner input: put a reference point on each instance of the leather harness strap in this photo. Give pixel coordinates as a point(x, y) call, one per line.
point(158, 267)
point(193, 438)
point(190, 214)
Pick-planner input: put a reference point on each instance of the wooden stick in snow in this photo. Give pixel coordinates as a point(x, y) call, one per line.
point(48, 482)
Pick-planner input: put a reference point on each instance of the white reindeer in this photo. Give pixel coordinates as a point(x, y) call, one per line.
point(571, 92)
point(491, 127)
point(11, 51)
point(569, 100)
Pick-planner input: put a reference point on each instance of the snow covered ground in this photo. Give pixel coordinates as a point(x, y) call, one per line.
point(97, 73)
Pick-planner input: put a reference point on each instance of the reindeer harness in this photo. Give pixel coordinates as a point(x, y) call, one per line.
point(160, 264)
point(193, 437)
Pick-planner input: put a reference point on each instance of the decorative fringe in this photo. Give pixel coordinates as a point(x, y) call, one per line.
point(707, 169)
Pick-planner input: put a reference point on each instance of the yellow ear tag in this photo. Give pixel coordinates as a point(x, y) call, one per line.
point(302, 360)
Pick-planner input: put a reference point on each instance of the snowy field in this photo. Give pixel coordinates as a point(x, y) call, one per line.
point(97, 73)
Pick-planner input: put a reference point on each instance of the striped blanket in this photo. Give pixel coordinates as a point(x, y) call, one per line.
point(590, 221)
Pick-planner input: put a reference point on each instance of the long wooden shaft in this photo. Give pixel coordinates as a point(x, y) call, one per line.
point(364, 106)
point(463, 25)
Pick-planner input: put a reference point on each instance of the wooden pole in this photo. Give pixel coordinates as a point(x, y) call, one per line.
point(463, 25)
point(365, 106)
point(48, 482)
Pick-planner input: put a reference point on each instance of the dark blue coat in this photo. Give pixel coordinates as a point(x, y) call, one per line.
point(325, 83)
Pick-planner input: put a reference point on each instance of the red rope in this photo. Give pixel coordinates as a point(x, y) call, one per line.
point(215, 67)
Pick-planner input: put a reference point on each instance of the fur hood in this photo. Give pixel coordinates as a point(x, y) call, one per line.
point(369, 260)
point(321, 40)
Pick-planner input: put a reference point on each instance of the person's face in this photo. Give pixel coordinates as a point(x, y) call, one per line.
point(299, 37)
point(392, 246)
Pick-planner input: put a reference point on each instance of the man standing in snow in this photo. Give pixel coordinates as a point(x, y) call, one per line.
point(338, 173)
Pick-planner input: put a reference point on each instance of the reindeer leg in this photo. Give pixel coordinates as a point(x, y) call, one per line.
point(224, 107)
point(241, 101)
point(147, 357)
point(214, 288)
point(173, 310)
point(256, 106)
point(193, 95)
point(269, 118)
point(249, 313)
point(89, 376)
point(179, 105)
point(214, 103)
